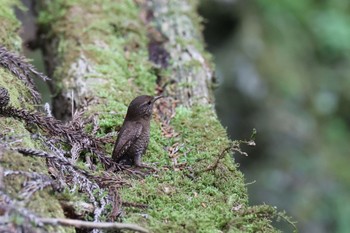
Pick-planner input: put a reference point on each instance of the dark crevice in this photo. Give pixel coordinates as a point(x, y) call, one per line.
point(219, 22)
point(30, 48)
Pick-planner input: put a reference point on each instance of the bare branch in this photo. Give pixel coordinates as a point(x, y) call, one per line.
point(86, 224)
point(10, 205)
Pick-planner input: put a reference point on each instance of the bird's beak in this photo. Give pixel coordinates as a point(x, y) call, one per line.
point(157, 97)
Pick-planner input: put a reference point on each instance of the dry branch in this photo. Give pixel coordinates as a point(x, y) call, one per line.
point(8, 205)
point(86, 224)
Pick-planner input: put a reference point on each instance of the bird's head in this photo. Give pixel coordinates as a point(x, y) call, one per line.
point(141, 107)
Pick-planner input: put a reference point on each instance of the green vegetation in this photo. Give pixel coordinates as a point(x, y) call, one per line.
point(185, 199)
point(311, 67)
point(115, 47)
point(42, 203)
point(114, 44)
point(9, 25)
point(285, 68)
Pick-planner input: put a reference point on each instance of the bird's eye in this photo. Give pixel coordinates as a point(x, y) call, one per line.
point(149, 102)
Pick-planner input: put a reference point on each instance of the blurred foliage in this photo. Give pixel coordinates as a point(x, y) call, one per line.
point(284, 69)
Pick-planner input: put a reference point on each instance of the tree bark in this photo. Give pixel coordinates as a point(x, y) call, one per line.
point(192, 70)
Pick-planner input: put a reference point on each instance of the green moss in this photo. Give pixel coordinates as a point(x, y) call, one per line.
point(181, 202)
point(9, 25)
point(114, 43)
point(112, 39)
point(42, 202)
point(188, 199)
point(9, 38)
point(17, 91)
point(59, 7)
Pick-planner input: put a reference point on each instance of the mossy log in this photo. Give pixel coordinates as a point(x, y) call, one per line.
point(15, 133)
point(100, 55)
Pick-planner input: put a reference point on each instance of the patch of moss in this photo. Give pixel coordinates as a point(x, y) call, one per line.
point(112, 39)
point(179, 201)
point(9, 25)
point(42, 202)
point(188, 199)
point(59, 7)
point(17, 91)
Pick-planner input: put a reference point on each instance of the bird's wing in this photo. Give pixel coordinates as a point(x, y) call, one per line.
point(130, 131)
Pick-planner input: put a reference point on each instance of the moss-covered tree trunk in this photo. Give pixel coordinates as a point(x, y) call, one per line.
point(14, 132)
point(100, 55)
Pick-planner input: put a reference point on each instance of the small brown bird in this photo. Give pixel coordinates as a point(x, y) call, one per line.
point(134, 136)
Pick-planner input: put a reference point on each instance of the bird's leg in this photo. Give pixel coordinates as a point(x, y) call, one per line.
point(139, 164)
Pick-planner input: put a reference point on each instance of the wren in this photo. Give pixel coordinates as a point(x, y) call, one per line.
point(133, 137)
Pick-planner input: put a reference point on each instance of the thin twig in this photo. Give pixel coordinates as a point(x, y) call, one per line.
point(86, 224)
point(220, 157)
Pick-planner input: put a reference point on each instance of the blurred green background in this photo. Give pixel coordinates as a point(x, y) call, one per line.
point(284, 68)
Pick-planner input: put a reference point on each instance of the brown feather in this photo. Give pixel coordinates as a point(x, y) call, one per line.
point(129, 132)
